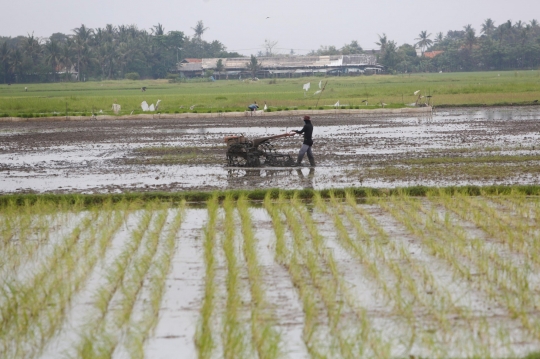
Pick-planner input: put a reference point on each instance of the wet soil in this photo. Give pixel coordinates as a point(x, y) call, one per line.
point(449, 147)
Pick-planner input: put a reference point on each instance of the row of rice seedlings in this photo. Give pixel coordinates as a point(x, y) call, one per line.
point(438, 296)
point(233, 334)
point(22, 300)
point(290, 259)
point(281, 251)
point(521, 297)
point(104, 294)
point(204, 337)
point(23, 229)
point(17, 221)
point(514, 232)
point(451, 243)
point(370, 253)
point(140, 331)
point(124, 282)
point(266, 338)
point(498, 269)
point(524, 206)
point(60, 285)
point(323, 274)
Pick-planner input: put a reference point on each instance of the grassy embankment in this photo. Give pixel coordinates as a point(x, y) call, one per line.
point(447, 89)
point(90, 200)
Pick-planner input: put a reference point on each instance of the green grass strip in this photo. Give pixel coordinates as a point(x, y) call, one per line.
point(89, 200)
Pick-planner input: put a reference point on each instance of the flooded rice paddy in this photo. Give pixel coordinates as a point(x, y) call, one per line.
point(386, 277)
point(451, 147)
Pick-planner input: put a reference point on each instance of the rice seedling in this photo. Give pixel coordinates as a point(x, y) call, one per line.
point(266, 338)
point(503, 282)
point(291, 260)
point(398, 285)
point(63, 251)
point(94, 341)
point(36, 320)
point(319, 261)
point(233, 333)
point(204, 339)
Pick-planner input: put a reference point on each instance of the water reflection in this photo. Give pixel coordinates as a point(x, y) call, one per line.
point(267, 176)
point(306, 181)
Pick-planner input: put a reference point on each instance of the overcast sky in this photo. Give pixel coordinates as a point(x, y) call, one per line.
point(242, 25)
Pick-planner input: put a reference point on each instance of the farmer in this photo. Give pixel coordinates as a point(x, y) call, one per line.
point(253, 107)
point(307, 131)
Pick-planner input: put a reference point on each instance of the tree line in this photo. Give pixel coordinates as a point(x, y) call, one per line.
point(112, 52)
point(507, 46)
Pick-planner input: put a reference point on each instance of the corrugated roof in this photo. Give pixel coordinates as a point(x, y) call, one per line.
point(283, 62)
point(191, 67)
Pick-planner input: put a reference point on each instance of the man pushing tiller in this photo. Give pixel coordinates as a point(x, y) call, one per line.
point(307, 131)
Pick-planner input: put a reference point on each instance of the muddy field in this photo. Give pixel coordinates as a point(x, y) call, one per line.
point(451, 147)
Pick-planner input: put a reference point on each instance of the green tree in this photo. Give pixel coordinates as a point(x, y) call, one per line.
point(53, 56)
point(488, 27)
point(66, 58)
point(424, 41)
point(17, 63)
point(253, 66)
point(5, 60)
point(383, 40)
point(220, 67)
point(82, 41)
point(199, 30)
point(352, 48)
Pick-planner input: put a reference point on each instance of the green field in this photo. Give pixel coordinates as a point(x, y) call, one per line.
point(450, 89)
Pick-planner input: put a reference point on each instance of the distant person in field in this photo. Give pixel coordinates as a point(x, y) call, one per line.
point(307, 131)
point(253, 106)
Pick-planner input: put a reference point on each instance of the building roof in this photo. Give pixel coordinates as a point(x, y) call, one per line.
point(191, 60)
point(190, 66)
point(432, 54)
point(294, 62)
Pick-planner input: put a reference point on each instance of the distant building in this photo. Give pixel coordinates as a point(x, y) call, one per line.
point(284, 66)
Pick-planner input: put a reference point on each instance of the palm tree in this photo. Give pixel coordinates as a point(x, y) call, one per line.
point(53, 56)
point(158, 30)
point(5, 59)
point(534, 23)
point(83, 37)
point(32, 48)
point(16, 62)
point(470, 39)
point(424, 40)
point(468, 27)
point(199, 30)
point(66, 57)
point(383, 41)
point(439, 37)
point(488, 27)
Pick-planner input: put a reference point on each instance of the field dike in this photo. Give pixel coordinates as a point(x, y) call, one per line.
point(354, 273)
point(367, 113)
